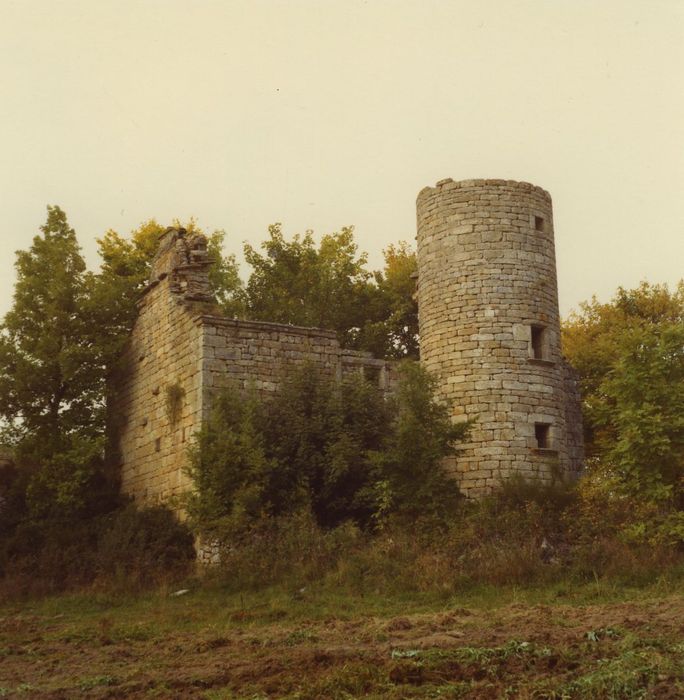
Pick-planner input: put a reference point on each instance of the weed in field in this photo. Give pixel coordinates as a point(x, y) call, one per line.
point(354, 679)
point(458, 669)
point(228, 694)
point(96, 681)
point(627, 677)
point(601, 633)
point(299, 637)
point(105, 625)
point(25, 688)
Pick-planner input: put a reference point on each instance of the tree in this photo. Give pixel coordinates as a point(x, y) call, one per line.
point(229, 466)
point(423, 434)
point(329, 286)
point(308, 447)
point(398, 284)
point(391, 326)
point(225, 279)
point(324, 437)
point(50, 379)
point(643, 404)
point(630, 356)
point(294, 282)
point(114, 290)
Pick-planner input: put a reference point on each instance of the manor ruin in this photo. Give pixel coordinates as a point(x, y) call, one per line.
point(489, 331)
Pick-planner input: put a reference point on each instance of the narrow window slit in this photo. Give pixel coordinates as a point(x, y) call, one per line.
point(541, 434)
point(538, 342)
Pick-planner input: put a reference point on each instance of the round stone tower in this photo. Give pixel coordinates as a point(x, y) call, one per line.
point(489, 325)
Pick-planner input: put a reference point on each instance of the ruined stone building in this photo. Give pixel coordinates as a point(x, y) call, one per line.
point(489, 331)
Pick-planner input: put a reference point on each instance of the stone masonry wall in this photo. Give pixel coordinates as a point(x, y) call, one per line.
point(179, 356)
point(573, 419)
point(163, 353)
point(489, 325)
point(259, 354)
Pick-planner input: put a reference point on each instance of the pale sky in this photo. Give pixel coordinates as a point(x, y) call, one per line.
point(324, 113)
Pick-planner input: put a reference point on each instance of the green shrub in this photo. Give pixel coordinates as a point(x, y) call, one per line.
point(38, 558)
point(144, 546)
point(344, 451)
point(421, 435)
point(228, 464)
point(127, 547)
point(323, 438)
point(292, 551)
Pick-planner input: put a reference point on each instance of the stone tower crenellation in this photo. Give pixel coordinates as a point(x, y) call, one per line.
point(490, 328)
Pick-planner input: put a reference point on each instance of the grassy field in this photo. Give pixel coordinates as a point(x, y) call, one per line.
point(594, 641)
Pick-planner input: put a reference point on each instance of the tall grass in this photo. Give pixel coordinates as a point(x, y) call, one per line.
point(526, 535)
point(128, 549)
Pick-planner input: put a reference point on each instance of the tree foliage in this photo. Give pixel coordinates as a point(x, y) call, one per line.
point(51, 382)
point(298, 283)
point(324, 438)
point(342, 452)
point(422, 435)
point(630, 356)
point(329, 286)
point(390, 328)
point(125, 270)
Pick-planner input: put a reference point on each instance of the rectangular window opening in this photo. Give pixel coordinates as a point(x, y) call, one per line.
point(157, 445)
point(541, 434)
point(539, 223)
point(371, 374)
point(538, 342)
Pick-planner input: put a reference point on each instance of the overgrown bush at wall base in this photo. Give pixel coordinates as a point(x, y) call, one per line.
point(128, 547)
point(526, 534)
point(341, 451)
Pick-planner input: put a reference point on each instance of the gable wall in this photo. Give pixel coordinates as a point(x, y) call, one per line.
point(163, 351)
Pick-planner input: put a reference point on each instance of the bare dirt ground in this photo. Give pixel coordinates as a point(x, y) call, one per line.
point(619, 650)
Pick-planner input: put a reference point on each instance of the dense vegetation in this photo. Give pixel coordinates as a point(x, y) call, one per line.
point(342, 453)
point(630, 357)
point(64, 334)
point(324, 482)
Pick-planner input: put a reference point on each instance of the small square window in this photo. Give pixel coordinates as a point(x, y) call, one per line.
point(541, 435)
point(537, 340)
point(539, 223)
point(371, 374)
